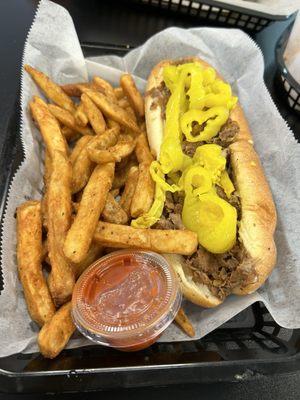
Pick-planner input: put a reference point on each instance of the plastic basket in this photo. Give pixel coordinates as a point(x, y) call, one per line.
point(215, 11)
point(290, 87)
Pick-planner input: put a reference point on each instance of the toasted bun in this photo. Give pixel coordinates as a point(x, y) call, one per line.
point(258, 222)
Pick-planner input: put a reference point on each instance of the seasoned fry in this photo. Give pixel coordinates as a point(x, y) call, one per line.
point(113, 124)
point(113, 212)
point(95, 251)
point(119, 93)
point(105, 88)
point(131, 113)
point(82, 164)
point(144, 193)
point(72, 89)
point(82, 168)
point(135, 98)
point(129, 189)
point(80, 115)
point(48, 126)
point(184, 323)
point(68, 119)
point(47, 169)
point(124, 103)
point(68, 133)
point(111, 109)
point(107, 139)
point(56, 333)
point(123, 170)
point(142, 150)
point(61, 278)
point(162, 241)
point(51, 89)
point(94, 115)
point(116, 153)
point(29, 255)
point(80, 235)
point(80, 144)
point(114, 192)
point(47, 174)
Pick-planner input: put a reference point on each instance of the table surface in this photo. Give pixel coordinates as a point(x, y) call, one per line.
point(100, 22)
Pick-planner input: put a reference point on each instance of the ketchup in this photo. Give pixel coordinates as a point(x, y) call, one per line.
point(126, 299)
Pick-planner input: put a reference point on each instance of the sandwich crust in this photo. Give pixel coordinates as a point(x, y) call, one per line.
point(258, 221)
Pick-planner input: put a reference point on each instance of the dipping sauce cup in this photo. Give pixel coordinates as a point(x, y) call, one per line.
point(126, 299)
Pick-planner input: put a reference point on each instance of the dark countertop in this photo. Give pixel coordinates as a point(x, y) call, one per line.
point(97, 21)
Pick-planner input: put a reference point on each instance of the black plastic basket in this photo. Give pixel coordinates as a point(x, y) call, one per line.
point(249, 346)
point(246, 347)
point(216, 12)
point(290, 88)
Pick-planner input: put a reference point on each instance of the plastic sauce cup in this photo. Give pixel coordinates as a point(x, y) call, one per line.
point(126, 299)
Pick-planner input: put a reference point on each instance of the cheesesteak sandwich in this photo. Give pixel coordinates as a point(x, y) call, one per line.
point(209, 180)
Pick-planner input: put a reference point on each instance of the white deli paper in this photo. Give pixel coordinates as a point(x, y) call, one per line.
point(57, 52)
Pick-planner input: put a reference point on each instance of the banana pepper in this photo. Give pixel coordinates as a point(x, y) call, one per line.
point(196, 96)
point(213, 219)
point(213, 119)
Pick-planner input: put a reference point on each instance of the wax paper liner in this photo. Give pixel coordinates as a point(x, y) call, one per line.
point(53, 47)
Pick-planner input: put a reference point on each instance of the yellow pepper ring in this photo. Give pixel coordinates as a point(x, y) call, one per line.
point(214, 118)
point(197, 180)
point(158, 177)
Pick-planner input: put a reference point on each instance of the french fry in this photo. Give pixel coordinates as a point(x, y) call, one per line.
point(61, 279)
point(107, 139)
point(119, 93)
point(185, 324)
point(105, 88)
point(122, 171)
point(82, 168)
point(182, 242)
point(113, 212)
point(68, 119)
point(114, 192)
point(142, 150)
point(144, 193)
point(131, 113)
point(124, 103)
point(113, 124)
point(80, 115)
point(68, 133)
point(129, 189)
point(55, 334)
point(72, 89)
point(116, 153)
point(47, 174)
point(80, 144)
point(53, 91)
point(94, 115)
point(29, 254)
point(80, 235)
point(82, 164)
point(48, 126)
point(134, 97)
point(95, 251)
point(111, 109)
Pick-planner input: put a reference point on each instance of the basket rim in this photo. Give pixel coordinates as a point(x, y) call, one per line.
point(279, 52)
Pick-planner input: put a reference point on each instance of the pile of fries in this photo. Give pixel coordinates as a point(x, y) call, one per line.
point(96, 180)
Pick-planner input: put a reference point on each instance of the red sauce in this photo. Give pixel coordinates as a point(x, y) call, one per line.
point(124, 299)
